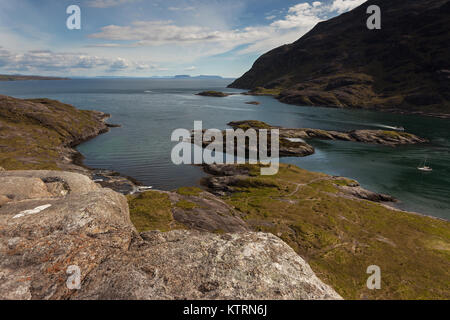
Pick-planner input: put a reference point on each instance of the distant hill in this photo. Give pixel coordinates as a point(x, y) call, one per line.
point(12, 77)
point(404, 67)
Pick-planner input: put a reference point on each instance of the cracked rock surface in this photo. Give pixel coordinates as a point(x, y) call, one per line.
point(51, 220)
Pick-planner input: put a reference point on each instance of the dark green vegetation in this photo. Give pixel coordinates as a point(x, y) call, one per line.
point(404, 67)
point(152, 210)
point(38, 133)
point(340, 236)
point(189, 191)
point(12, 77)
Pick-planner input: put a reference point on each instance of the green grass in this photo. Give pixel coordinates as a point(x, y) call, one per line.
point(341, 237)
point(33, 132)
point(265, 91)
point(152, 210)
point(189, 191)
point(186, 205)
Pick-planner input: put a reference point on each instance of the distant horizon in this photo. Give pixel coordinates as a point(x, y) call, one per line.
point(178, 76)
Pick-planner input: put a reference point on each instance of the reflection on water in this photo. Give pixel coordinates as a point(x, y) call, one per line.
point(149, 110)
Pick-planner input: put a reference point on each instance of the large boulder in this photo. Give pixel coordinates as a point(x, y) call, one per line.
point(87, 228)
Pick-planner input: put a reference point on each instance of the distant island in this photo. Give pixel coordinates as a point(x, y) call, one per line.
point(19, 77)
point(185, 76)
point(180, 76)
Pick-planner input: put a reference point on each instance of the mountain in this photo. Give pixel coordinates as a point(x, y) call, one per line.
point(403, 67)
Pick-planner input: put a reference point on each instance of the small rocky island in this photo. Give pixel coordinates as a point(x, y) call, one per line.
point(384, 137)
point(216, 94)
point(293, 141)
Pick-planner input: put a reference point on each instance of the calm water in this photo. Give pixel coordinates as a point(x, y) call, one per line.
point(149, 110)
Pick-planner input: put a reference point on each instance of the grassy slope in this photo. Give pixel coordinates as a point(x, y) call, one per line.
point(152, 210)
point(341, 237)
point(338, 236)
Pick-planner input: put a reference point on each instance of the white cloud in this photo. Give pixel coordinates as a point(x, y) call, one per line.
point(153, 33)
point(189, 8)
point(192, 68)
point(342, 6)
point(108, 3)
point(298, 20)
point(45, 60)
point(301, 15)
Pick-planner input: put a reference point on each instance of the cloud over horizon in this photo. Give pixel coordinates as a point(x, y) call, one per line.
point(188, 33)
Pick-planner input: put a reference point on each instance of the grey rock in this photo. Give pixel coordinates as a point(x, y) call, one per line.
point(90, 228)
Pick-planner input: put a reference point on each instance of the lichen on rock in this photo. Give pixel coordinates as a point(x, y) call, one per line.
point(89, 227)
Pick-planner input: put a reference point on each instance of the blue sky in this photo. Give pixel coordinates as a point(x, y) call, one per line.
point(152, 37)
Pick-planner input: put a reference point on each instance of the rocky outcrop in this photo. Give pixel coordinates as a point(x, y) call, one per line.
point(205, 212)
point(47, 236)
point(403, 67)
point(384, 137)
point(226, 179)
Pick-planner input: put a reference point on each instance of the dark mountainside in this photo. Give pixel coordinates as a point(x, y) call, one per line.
point(404, 67)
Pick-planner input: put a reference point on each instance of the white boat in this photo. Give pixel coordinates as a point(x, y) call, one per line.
point(141, 189)
point(424, 167)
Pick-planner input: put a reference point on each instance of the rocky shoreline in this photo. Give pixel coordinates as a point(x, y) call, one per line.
point(320, 98)
point(28, 121)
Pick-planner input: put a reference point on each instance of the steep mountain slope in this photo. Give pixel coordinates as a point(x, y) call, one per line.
point(404, 67)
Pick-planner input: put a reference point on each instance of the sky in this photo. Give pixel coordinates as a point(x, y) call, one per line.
point(141, 38)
